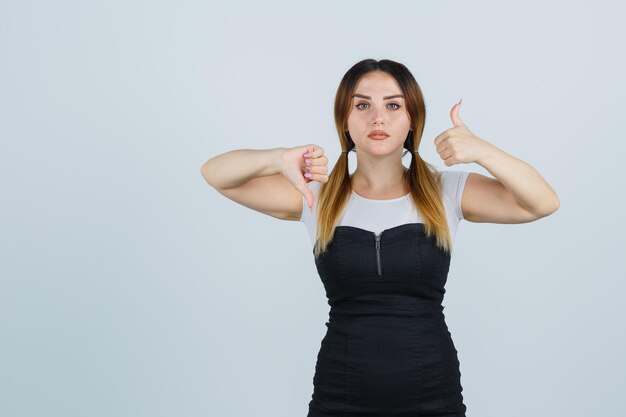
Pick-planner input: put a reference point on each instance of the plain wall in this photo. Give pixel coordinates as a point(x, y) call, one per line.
point(130, 287)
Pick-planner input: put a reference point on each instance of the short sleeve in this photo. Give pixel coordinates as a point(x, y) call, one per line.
point(453, 187)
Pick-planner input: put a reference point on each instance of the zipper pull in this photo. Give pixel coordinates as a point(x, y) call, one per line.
point(378, 263)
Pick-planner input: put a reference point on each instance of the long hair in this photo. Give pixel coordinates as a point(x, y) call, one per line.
point(423, 180)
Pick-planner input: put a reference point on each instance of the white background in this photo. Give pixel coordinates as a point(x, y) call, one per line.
point(130, 287)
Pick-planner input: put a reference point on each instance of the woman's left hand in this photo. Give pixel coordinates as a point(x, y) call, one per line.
point(458, 145)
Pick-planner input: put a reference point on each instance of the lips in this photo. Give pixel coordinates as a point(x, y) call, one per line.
point(378, 134)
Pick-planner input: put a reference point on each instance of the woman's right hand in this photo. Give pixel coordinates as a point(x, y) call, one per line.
point(302, 160)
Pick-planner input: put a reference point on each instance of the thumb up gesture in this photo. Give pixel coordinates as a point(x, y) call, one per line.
point(458, 145)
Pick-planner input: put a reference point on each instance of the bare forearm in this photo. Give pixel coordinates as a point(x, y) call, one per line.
point(529, 188)
point(237, 167)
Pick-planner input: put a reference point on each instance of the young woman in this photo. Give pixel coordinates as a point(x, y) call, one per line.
point(383, 238)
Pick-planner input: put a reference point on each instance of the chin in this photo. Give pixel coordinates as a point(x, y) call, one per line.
point(382, 150)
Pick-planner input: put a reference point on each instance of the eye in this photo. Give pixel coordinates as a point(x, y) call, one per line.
point(365, 104)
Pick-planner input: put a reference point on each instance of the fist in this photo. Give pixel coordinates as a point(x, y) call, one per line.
point(304, 164)
point(458, 144)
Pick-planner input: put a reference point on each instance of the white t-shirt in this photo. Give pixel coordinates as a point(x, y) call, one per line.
point(378, 215)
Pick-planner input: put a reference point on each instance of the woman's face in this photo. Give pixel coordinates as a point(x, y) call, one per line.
point(378, 105)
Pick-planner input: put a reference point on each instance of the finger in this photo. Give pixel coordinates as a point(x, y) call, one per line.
point(315, 151)
point(322, 178)
point(308, 194)
point(319, 169)
point(318, 177)
point(319, 158)
point(322, 160)
point(445, 154)
point(449, 161)
point(454, 115)
point(310, 198)
point(443, 136)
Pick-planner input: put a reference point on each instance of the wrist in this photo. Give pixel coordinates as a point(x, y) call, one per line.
point(278, 161)
point(490, 153)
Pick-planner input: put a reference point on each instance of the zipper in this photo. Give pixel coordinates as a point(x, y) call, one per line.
point(377, 237)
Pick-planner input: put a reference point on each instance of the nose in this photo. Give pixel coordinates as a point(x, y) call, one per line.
point(378, 116)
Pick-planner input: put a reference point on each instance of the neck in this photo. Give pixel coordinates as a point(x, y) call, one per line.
point(379, 175)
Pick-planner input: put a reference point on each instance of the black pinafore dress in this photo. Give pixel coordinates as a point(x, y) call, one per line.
point(387, 351)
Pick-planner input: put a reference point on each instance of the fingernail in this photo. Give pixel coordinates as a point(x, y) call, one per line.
point(306, 155)
point(308, 175)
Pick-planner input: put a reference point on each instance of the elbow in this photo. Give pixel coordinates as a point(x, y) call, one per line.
point(556, 203)
point(551, 208)
point(204, 171)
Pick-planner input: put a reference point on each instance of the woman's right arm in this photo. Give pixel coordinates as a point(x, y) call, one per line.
point(235, 168)
point(269, 181)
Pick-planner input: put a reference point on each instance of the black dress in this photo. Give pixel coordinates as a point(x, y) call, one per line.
point(387, 351)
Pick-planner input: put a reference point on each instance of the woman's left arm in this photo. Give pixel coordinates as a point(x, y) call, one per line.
point(518, 194)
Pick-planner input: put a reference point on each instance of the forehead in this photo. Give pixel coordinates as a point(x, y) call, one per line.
point(377, 83)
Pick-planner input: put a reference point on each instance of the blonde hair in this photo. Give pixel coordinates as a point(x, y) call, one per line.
point(422, 179)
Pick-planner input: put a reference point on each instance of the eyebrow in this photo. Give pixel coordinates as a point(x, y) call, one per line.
point(384, 98)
